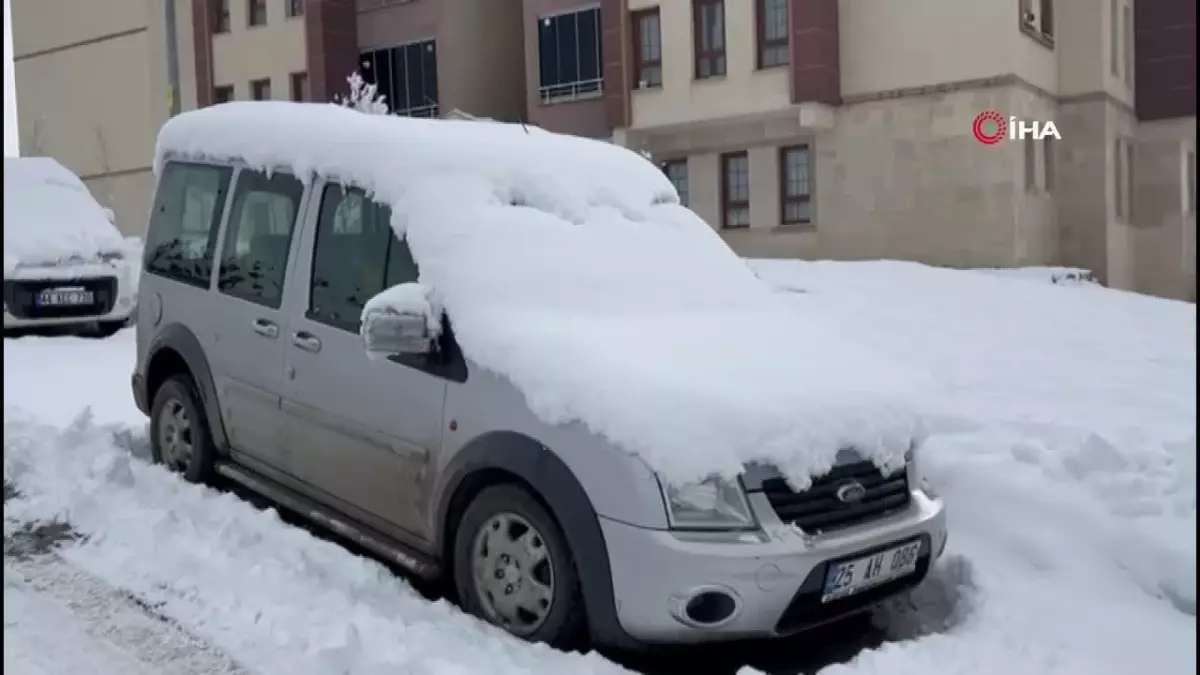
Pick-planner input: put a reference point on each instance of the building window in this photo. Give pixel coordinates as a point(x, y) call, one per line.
point(222, 17)
point(677, 173)
point(260, 90)
point(735, 190)
point(1114, 37)
point(299, 87)
point(294, 8)
point(569, 59)
point(1037, 19)
point(1048, 163)
point(256, 13)
point(223, 94)
point(708, 19)
point(406, 76)
point(647, 48)
point(1046, 17)
point(1128, 38)
point(772, 33)
point(796, 189)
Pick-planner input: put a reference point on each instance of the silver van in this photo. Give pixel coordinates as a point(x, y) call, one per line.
point(254, 364)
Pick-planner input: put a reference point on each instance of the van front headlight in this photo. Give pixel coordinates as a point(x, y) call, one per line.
point(711, 504)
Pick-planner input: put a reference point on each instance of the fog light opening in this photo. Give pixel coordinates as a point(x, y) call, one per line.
point(710, 608)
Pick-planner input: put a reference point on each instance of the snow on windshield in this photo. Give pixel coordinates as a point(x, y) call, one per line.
point(50, 216)
point(568, 266)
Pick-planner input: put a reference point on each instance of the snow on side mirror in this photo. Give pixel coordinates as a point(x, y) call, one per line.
point(400, 320)
point(111, 215)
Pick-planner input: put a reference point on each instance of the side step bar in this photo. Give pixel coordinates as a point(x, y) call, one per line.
point(379, 544)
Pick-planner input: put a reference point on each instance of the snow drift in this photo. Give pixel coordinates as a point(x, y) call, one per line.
point(49, 216)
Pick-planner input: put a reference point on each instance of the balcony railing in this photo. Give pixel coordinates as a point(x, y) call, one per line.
point(572, 91)
point(430, 110)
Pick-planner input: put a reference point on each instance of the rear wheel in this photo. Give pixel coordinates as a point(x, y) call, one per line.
point(513, 568)
point(179, 436)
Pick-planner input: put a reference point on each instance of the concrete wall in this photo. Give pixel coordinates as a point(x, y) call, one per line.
point(91, 94)
point(1164, 237)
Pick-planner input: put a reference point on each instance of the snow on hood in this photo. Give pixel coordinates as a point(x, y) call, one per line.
point(568, 266)
point(49, 215)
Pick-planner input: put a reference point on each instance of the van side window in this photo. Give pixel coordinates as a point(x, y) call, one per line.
point(182, 237)
point(261, 220)
point(355, 256)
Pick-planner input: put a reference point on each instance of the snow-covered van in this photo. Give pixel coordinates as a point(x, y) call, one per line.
point(65, 262)
point(511, 359)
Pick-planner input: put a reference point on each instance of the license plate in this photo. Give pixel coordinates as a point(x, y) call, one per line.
point(59, 297)
point(849, 577)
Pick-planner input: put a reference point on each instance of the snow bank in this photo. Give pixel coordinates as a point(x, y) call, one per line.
point(568, 266)
point(1066, 447)
point(273, 597)
point(49, 216)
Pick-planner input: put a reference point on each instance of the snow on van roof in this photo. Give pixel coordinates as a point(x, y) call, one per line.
point(568, 267)
point(50, 216)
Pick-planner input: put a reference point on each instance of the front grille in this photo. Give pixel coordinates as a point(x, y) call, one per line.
point(819, 509)
point(19, 297)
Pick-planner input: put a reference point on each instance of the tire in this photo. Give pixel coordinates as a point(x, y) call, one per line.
point(563, 622)
point(176, 406)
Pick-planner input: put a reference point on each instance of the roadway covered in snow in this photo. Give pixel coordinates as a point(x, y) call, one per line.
point(1064, 442)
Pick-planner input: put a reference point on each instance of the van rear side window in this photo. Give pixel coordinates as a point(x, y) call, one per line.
point(182, 237)
point(259, 236)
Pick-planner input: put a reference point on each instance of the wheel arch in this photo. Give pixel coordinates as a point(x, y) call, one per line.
point(510, 457)
point(175, 350)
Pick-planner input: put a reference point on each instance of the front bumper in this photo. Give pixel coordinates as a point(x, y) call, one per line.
point(776, 584)
point(117, 304)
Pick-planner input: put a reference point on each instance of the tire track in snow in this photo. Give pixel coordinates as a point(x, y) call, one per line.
point(116, 622)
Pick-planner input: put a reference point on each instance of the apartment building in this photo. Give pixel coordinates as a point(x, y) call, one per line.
point(799, 128)
point(844, 129)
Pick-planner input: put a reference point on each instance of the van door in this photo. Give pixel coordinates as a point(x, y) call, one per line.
point(251, 330)
point(362, 432)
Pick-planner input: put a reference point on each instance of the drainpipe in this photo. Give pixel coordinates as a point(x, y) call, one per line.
point(172, 61)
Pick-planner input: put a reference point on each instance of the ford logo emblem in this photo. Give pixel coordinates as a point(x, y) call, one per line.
point(851, 492)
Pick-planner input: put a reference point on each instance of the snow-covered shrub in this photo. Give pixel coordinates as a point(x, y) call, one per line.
point(363, 97)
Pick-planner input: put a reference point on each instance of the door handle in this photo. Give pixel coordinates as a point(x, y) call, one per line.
point(267, 329)
point(306, 341)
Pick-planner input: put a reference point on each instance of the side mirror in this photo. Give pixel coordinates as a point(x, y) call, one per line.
point(111, 215)
point(400, 320)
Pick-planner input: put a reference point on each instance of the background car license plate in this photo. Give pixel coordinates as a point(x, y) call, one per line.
point(855, 576)
point(57, 297)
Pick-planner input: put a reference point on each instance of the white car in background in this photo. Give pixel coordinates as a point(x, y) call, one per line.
point(66, 265)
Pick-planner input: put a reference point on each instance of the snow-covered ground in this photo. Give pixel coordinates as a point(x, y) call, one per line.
point(1062, 432)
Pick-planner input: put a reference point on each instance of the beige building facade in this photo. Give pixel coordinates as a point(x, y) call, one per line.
point(797, 128)
point(857, 142)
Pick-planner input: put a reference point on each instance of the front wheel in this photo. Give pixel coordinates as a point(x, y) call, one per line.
point(513, 568)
